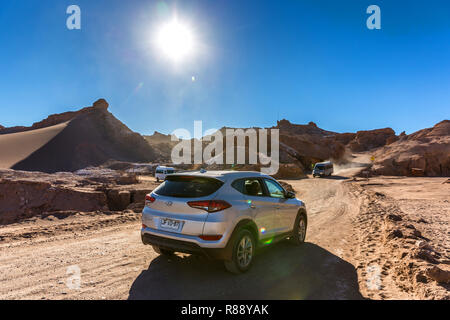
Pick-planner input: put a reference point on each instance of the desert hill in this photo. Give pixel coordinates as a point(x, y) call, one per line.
point(72, 141)
point(303, 145)
point(91, 136)
point(162, 143)
point(425, 152)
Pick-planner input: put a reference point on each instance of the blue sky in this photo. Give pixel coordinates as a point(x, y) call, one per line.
point(257, 61)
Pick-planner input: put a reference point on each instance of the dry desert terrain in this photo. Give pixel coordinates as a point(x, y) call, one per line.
point(374, 238)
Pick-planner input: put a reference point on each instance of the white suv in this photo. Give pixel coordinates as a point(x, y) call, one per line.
point(224, 215)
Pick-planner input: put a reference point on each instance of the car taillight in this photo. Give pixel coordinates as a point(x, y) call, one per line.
point(211, 237)
point(149, 199)
point(209, 205)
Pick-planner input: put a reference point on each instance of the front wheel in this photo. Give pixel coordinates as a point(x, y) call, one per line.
point(299, 233)
point(244, 248)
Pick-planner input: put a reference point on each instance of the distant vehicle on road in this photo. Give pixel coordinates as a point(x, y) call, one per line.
point(224, 215)
point(322, 169)
point(161, 172)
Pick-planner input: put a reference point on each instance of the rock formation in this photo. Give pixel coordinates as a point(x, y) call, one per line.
point(370, 139)
point(26, 194)
point(425, 152)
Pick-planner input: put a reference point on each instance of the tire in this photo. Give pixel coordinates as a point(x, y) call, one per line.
point(244, 248)
point(163, 252)
point(298, 238)
point(157, 179)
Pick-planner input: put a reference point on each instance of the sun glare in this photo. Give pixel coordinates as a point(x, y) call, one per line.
point(175, 40)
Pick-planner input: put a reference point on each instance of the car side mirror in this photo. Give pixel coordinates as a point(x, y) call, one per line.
point(289, 195)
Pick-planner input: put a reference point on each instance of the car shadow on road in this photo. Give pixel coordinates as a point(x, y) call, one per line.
point(334, 177)
point(281, 271)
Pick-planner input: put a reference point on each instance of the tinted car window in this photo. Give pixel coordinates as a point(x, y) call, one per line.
point(188, 187)
point(275, 190)
point(238, 185)
point(251, 187)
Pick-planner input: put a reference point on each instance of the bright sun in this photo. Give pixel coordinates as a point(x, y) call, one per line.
point(175, 40)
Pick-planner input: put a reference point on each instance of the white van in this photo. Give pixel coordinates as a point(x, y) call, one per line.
point(161, 172)
point(323, 169)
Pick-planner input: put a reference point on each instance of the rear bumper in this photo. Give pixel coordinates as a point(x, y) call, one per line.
point(186, 247)
point(191, 227)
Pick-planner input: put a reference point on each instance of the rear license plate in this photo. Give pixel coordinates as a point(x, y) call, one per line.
point(169, 224)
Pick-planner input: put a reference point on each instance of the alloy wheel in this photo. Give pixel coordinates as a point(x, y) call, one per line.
point(245, 251)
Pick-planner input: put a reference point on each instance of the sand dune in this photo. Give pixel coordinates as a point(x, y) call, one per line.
point(72, 141)
point(15, 147)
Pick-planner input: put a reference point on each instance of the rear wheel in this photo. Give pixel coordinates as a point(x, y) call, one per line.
point(157, 179)
point(164, 252)
point(299, 230)
point(244, 248)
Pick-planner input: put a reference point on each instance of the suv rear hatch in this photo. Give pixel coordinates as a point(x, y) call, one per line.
point(171, 198)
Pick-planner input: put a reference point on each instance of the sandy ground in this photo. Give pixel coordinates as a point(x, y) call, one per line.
point(18, 146)
point(337, 261)
point(424, 207)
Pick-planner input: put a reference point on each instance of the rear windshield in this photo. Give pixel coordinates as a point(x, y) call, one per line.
point(188, 187)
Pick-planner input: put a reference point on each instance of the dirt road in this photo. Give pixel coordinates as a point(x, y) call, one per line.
point(36, 255)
